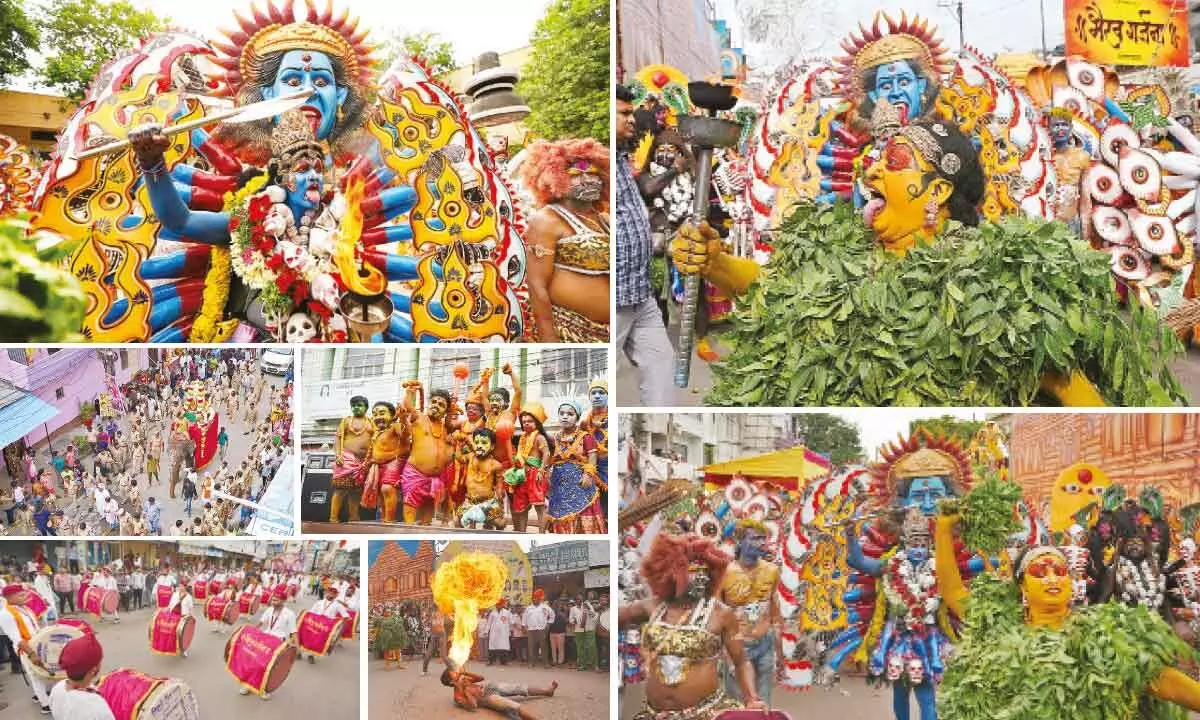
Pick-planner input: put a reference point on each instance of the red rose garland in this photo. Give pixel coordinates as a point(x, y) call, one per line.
point(914, 594)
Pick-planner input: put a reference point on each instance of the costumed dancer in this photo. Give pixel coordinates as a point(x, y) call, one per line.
point(573, 502)
point(389, 451)
point(748, 588)
point(352, 443)
point(528, 481)
point(432, 452)
point(391, 637)
point(686, 631)
point(484, 504)
point(596, 423)
point(1025, 650)
point(475, 410)
point(76, 698)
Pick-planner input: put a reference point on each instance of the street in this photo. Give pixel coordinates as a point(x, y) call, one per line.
point(405, 695)
point(852, 699)
point(328, 689)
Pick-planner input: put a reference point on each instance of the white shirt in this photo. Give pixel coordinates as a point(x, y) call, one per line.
point(330, 608)
point(167, 580)
point(18, 495)
point(183, 601)
point(538, 617)
point(351, 602)
point(8, 623)
point(68, 704)
point(108, 583)
point(110, 511)
point(281, 623)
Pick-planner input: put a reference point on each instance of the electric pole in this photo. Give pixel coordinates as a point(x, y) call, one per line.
point(957, 7)
point(1042, 9)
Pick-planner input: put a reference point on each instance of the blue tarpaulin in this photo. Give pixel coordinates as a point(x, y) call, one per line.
point(22, 415)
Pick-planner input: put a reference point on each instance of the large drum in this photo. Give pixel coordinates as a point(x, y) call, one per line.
point(215, 586)
point(199, 590)
point(99, 601)
point(162, 595)
point(350, 626)
point(171, 633)
point(316, 634)
point(48, 644)
point(266, 596)
point(259, 661)
point(76, 622)
point(248, 603)
point(221, 609)
point(134, 695)
point(36, 603)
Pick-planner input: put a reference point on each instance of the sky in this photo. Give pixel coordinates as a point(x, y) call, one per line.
point(990, 25)
point(472, 26)
point(881, 425)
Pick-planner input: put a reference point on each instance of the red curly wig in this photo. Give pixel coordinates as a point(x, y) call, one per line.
point(544, 171)
point(665, 567)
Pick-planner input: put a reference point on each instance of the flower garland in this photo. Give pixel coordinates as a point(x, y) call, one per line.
point(913, 588)
point(1141, 583)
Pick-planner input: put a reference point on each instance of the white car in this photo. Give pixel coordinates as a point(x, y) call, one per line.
point(276, 361)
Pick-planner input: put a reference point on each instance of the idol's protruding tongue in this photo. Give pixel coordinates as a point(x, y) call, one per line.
point(312, 194)
point(313, 116)
point(902, 108)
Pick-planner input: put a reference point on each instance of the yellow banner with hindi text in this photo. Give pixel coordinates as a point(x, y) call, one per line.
point(1128, 32)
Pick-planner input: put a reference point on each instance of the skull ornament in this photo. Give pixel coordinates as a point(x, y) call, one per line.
point(895, 667)
point(325, 290)
point(300, 329)
point(320, 242)
point(916, 671)
point(294, 256)
point(278, 220)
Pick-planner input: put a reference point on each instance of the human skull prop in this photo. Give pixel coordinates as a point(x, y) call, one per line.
point(916, 671)
point(1187, 549)
point(300, 329)
point(895, 667)
point(325, 290)
point(320, 242)
point(294, 256)
point(278, 220)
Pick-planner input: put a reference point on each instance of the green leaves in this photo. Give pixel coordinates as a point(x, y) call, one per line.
point(18, 36)
point(1097, 668)
point(81, 35)
point(437, 53)
point(974, 319)
point(988, 515)
point(566, 81)
point(39, 301)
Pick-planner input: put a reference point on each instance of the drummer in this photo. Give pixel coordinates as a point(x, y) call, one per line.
point(75, 698)
point(107, 581)
point(279, 621)
point(19, 624)
point(331, 607)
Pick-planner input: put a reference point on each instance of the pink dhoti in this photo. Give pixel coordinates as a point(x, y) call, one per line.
point(388, 473)
point(418, 487)
point(348, 475)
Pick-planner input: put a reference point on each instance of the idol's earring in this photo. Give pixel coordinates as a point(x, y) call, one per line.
point(341, 113)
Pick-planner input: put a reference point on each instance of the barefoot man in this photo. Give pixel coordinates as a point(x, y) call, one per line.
point(471, 692)
point(389, 451)
point(353, 441)
point(432, 452)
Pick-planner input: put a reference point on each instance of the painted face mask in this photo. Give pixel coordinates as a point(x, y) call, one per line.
point(497, 403)
point(437, 407)
point(698, 582)
point(382, 416)
point(599, 398)
point(474, 412)
point(567, 417)
point(752, 546)
point(481, 445)
point(586, 185)
point(358, 409)
point(665, 155)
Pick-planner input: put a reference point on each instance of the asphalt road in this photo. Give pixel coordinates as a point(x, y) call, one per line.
point(852, 699)
point(404, 694)
point(328, 689)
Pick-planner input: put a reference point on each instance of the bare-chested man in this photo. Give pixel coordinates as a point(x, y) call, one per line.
point(389, 451)
point(432, 453)
point(485, 478)
point(350, 450)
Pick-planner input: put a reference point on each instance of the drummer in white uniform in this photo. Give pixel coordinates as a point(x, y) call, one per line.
point(75, 698)
point(351, 598)
point(330, 606)
point(279, 621)
point(107, 581)
point(19, 623)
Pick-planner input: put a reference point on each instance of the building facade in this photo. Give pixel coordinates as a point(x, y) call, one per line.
point(703, 438)
point(397, 576)
point(332, 376)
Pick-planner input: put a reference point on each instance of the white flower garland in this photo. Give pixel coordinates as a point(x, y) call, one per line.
point(921, 584)
point(1141, 584)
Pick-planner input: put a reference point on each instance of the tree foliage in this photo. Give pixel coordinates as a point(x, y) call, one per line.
point(950, 426)
point(829, 435)
point(431, 47)
point(81, 35)
point(566, 82)
point(18, 35)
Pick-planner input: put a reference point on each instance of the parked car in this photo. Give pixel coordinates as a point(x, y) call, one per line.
point(276, 361)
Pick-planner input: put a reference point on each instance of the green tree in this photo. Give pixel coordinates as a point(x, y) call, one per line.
point(950, 426)
point(566, 82)
point(81, 35)
point(829, 435)
point(18, 35)
point(437, 52)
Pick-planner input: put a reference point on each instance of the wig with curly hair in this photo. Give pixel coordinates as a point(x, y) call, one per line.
point(665, 567)
point(544, 171)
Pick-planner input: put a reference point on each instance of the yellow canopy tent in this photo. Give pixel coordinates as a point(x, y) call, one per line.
point(790, 469)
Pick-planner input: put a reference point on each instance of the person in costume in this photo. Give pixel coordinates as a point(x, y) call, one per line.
point(75, 698)
point(1136, 578)
point(391, 445)
point(484, 503)
point(1183, 592)
point(475, 409)
point(502, 413)
point(1024, 648)
point(568, 240)
point(596, 423)
point(391, 637)
point(432, 452)
point(1070, 163)
point(18, 623)
point(352, 443)
point(331, 606)
point(279, 621)
point(573, 501)
point(528, 488)
point(686, 631)
point(748, 588)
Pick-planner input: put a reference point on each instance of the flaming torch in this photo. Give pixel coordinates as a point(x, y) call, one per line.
point(462, 586)
point(366, 306)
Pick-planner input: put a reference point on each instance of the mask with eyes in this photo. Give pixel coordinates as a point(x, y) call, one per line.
point(438, 407)
point(279, 220)
point(481, 445)
point(698, 582)
point(294, 255)
point(325, 290)
point(586, 188)
point(300, 328)
point(665, 155)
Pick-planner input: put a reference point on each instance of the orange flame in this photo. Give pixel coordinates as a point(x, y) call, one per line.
point(365, 279)
point(462, 586)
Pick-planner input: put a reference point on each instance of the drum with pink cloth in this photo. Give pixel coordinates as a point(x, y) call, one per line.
point(258, 660)
point(171, 633)
point(221, 609)
point(76, 622)
point(48, 644)
point(36, 603)
point(134, 695)
point(215, 586)
point(200, 590)
point(99, 601)
point(162, 595)
point(265, 598)
point(248, 603)
point(350, 626)
point(316, 633)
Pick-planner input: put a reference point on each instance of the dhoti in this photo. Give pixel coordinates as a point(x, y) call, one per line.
point(348, 475)
point(418, 487)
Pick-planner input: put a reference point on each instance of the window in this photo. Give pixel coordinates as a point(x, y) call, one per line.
point(17, 355)
point(567, 372)
point(59, 394)
point(124, 359)
point(365, 363)
point(442, 368)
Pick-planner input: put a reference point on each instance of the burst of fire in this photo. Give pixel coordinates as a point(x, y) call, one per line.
point(462, 586)
point(362, 279)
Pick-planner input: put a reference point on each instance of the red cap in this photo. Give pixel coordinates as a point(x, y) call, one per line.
point(539, 593)
point(13, 589)
point(81, 655)
point(280, 592)
point(501, 603)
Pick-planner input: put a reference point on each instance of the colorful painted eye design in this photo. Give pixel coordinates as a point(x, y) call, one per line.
point(1128, 263)
point(1103, 184)
point(1087, 78)
point(1112, 225)
point(1116, 137)
point(1140, 175)
point(1155, 233)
